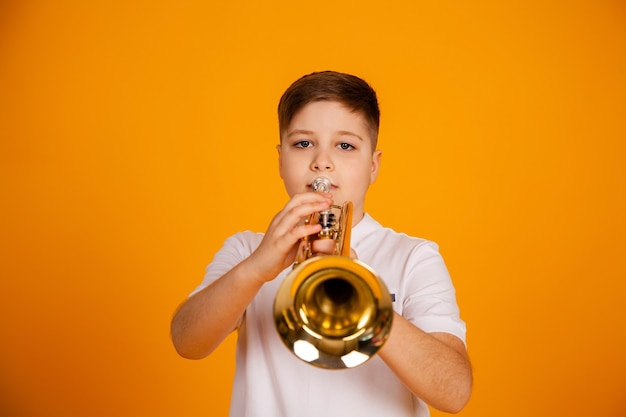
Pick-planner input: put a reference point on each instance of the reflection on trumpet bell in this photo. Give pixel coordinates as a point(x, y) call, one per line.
point(333, 312)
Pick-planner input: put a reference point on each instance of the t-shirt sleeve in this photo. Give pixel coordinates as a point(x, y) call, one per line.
point(430, 301)
point(235, 249)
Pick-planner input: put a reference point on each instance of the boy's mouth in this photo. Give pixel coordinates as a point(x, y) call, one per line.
point(332, 187)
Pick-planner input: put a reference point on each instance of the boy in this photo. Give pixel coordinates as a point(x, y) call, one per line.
point(329, 127)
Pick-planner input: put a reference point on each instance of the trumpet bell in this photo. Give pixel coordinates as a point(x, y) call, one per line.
point(333, 312)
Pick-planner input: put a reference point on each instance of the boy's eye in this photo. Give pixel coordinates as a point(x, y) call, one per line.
point(303, 144)
point(346, 146)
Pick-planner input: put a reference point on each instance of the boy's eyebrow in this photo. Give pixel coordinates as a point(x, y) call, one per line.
point(310, 132)
point(299, 132)
point(348, 133)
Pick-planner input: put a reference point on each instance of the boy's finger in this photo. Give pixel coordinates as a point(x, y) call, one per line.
point(291, 217)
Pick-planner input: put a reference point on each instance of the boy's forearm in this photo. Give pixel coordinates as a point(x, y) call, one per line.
point(435, 367)
point(204, 320)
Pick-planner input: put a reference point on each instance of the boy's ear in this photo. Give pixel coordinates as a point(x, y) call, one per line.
point(376, 156)
point(280, 161)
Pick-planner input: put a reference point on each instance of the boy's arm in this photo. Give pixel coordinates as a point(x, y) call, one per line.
point(204, 320)
point(434, 366)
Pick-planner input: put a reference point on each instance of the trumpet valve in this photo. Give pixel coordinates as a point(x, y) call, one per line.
point(327, 221)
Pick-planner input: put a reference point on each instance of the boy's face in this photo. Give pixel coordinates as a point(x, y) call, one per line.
point(326, 139)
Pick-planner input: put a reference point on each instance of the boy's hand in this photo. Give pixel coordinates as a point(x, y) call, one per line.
point(279, 245)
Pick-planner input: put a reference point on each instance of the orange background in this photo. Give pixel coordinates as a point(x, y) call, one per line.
point(137, 136)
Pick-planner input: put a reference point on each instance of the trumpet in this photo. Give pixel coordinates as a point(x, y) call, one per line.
point(332, 311)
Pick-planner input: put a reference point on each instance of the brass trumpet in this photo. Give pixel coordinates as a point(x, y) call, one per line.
point(332, 311)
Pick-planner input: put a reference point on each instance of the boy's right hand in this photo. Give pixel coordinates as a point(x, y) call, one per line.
point(279, 245)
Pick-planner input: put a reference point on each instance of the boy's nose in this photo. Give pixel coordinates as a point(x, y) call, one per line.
point(321, 165)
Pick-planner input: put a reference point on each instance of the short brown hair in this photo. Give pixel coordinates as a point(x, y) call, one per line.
point(349, 90)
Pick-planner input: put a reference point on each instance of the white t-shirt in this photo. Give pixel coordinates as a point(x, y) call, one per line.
point(270, 381)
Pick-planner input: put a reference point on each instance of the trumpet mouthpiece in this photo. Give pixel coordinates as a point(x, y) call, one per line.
point(321, 185)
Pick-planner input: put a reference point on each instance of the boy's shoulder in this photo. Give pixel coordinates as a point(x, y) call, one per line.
point(370, 227)
point(370, 233)
point(247, 240)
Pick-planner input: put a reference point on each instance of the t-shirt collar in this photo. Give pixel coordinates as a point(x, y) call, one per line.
point(363, 228)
